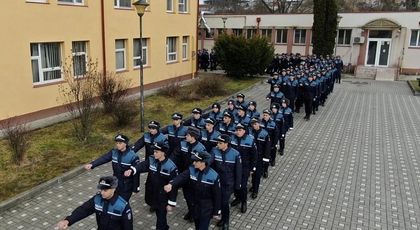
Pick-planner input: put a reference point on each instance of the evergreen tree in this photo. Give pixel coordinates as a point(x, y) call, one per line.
point(324, 28)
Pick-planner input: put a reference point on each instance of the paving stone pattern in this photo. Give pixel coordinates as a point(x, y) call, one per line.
point(354, 165)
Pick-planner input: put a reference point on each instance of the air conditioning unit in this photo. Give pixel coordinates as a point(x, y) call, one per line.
point(358, 40)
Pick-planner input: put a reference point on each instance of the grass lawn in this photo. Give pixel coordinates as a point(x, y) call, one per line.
point(53, 150)
point(415, 85)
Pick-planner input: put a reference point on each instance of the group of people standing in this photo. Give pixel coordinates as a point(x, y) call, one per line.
point(207, 60)
point(210, 156)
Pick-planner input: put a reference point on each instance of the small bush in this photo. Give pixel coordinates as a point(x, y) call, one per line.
point(172, 89)
point(123, 113)
point(111, 89)
point(209, 86)
point(17, 138)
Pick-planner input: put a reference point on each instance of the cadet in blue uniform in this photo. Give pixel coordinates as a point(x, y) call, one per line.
point(227, 163)
point(206, 193)
point(112, 211)
point(122, 158)
point(182, 159)
point(278, 117)
point(263, 144)
point(252, 110)
point(270, 126)
point(309, 96)
point(216, 114)
point(275, 80)
point(245, 145)
point(149, 138)
point(276, 95)
point(228, 125)
point(240, 100)
point(288, 123)
point(176, 133)
point(241, 116)
point(161, 171)
point(231, 108)
point(209, 135)
point(196, 120)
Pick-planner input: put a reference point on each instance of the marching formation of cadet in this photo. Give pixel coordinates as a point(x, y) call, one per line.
point(210, 156)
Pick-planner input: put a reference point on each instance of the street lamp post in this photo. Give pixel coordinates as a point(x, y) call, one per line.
point(339, 17)
point(141, 6)
point(224, 24)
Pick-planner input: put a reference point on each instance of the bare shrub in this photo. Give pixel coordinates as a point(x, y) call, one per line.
point(173, 89)
point(111, 88)
point(209, 86)
point(18, 139)
point(123, 113)
point(78, 95)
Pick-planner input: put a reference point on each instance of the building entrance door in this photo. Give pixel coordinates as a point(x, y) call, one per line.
point(378, 48)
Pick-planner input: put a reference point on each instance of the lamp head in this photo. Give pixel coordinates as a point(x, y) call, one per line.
point(141, 6)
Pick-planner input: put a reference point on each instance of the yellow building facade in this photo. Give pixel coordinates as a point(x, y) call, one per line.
point(39, 36)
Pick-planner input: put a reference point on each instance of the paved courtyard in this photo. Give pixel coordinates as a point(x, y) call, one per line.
point(354, 165)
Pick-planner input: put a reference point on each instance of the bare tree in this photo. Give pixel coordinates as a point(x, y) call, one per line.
point(78, 95)
point(18, 139)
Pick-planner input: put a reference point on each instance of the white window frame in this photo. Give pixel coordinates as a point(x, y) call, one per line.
point(184, 5)
point(300, 37)
point(117, 4)
point(37, 1)
point(123, 50)
point(266, 32)
point(171, 10)
point(171, 54)
point(344, 37)
point(250, 33)
point(236, 32)
point(41, 70)
point(185, 43)
point(73, 2)
point(80, 53)
point(417, 40)
point(145, 50)
point(283, 34)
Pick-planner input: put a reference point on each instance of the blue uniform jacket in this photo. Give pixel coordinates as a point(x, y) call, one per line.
point(113, 214)
point(147, 141)
point(160, 174)
point(288, 118)
point(226, 129)
point(275, 97)
point(182, 156)
point(121, 161)
point(263, 144)
point(245, 145)
point(228, 165)
point(175, 136)
point(209, 140)
point(252, 113)
point(205, 191)
point(198, 123)
point(271, 128)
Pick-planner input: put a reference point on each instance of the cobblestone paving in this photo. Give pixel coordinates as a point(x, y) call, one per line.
point(354, 165)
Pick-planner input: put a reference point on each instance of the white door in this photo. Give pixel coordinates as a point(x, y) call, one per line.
point(378, 52)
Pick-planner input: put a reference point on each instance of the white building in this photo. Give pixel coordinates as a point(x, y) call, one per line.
point(380, 45)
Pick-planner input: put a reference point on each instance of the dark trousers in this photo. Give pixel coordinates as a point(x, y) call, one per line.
point(338, 77)
point(161, 222)
point(315, 105)
point(202, 223)
point(308, 106)
point(256, 176)
point(282, 141)
point(292, 104)
point(226, 193)
point(242, 193)
point(298, 103)
point(186, 190)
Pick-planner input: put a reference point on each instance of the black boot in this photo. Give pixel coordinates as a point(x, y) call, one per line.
point(273, 162)
point(235, 202)
point(220, 223)
point(254, 195)
point(151, 209)
point(244, 207)
point(251, 189)
point(265, 174)
point(188, 217)
point(225, 226)
point(281, 152)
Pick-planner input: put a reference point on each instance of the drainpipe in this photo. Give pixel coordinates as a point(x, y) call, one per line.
point(194, 72)
point(103, 36)
point(401, 59)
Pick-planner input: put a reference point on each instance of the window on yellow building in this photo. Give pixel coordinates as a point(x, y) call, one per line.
point(300, 36)
point(120, 54)
point(281, 36)
point(136, 52)
point(185, 47)
point(75, 2)
point(183, 6)
point(79, 58)
point(46, 62)
point(122, 3)
point(171, 49)
point(170, 5)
